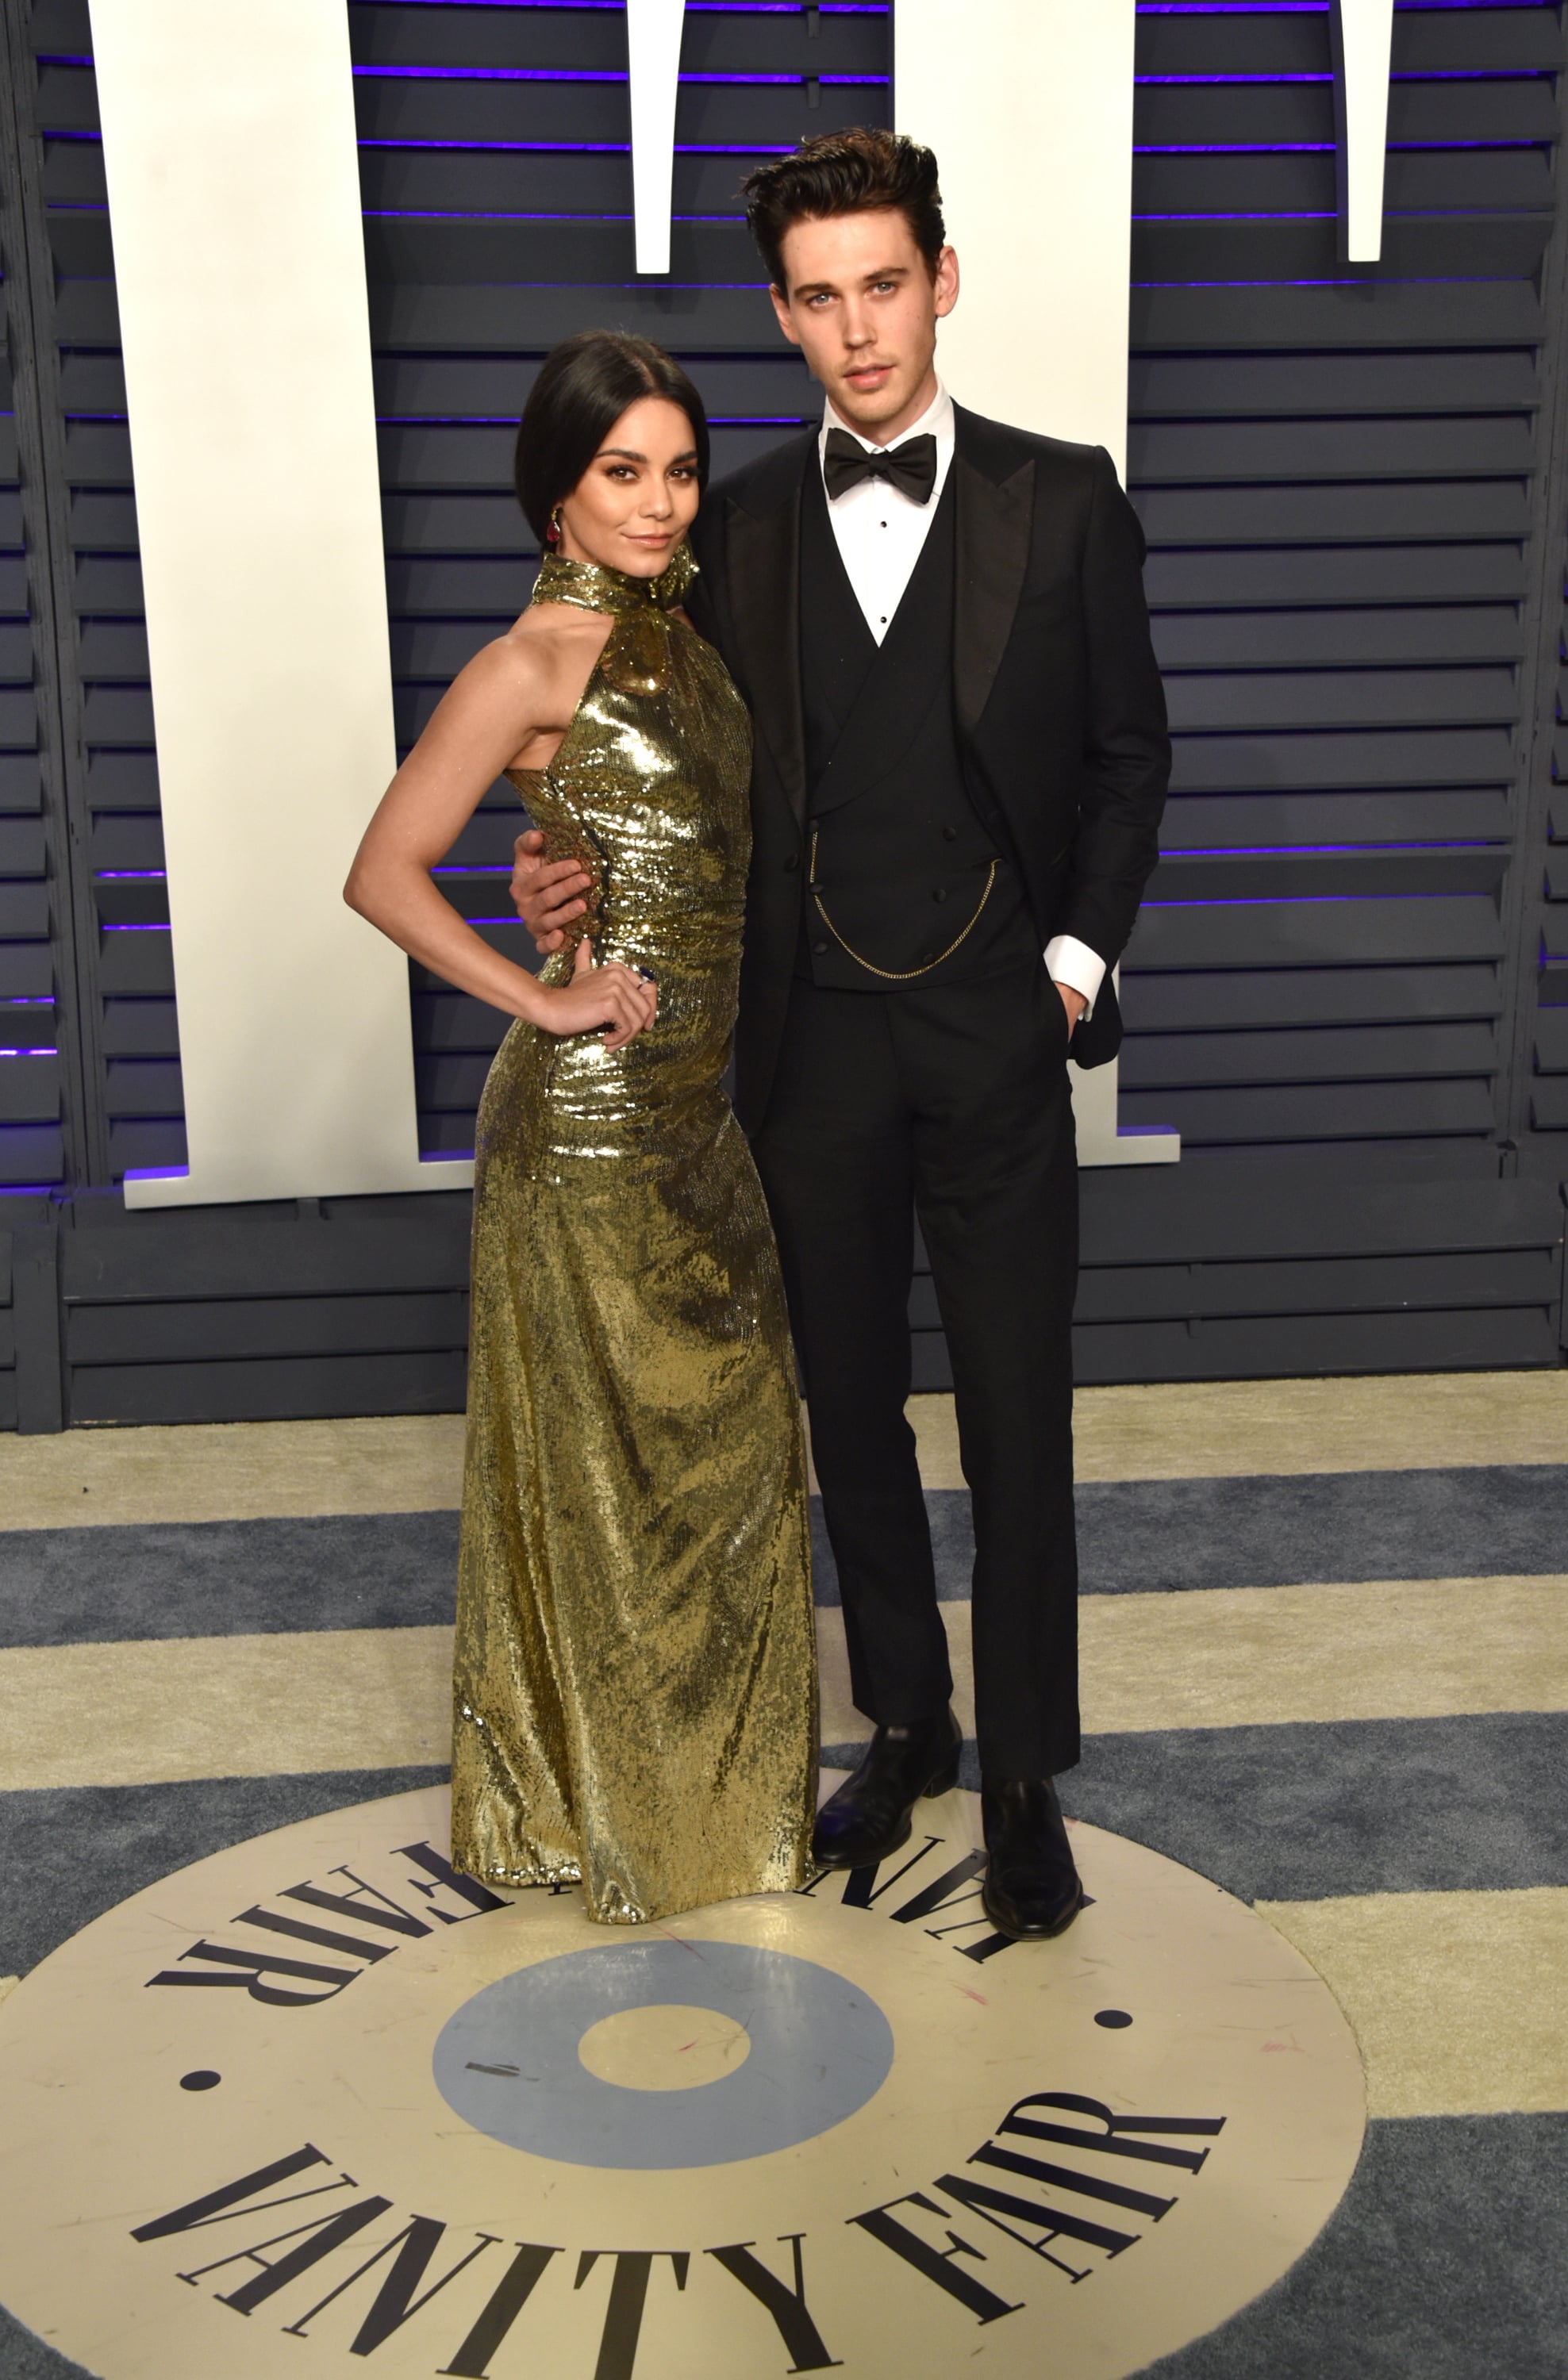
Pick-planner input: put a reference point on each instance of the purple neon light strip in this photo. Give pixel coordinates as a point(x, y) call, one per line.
point(509, 422)
point(1327, 281)
point(1256, 214)
point(775, 149)
point(131, 875)
point(1317, 850)
point(157, 1173)
point(613, 73)
point(1263, 7)
point(537, 215)
point(29, 1053)
point(720, 8)
point(478, 215)
point(1279, 901)
point(723, 7)
point(601, 148)
point(134, 929)
point(671, 285)
point(557, 75)
point(1147, 82)
point(1445, 74)
point(1289, 148)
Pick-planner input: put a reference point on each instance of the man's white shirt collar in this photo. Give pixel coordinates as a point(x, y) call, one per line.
point(937, 418)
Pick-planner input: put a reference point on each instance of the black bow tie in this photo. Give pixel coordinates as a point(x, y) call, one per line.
point(910, 467)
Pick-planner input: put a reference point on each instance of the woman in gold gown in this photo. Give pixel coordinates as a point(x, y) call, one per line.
point(635, 1682)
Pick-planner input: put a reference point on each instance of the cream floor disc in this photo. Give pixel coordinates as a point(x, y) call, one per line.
point(316, 2107)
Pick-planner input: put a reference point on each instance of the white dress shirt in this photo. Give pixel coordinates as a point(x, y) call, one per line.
point(879, 531)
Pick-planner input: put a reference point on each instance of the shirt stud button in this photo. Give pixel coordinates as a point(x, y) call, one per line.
point(940, 892)
point(819, 950)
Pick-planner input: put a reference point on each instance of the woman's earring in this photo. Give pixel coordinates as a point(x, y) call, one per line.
point(553, 527)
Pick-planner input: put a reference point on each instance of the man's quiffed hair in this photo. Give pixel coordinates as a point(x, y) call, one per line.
point(844, 174)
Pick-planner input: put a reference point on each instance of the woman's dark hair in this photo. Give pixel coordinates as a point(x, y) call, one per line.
point(844, 174)
point(583, 388)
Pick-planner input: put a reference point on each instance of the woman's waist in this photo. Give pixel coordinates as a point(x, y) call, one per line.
point(691, 952)
point(697, 984)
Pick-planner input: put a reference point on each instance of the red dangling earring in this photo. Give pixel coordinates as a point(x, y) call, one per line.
point(553, 527)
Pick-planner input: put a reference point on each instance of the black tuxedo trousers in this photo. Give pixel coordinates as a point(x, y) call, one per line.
point(950, 1103)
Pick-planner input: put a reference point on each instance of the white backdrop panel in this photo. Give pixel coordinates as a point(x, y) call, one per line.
point(229, 147)
point(1028, 104)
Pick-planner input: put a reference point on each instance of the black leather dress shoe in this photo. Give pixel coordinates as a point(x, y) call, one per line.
point(868, 1816)
point(1031, 1887)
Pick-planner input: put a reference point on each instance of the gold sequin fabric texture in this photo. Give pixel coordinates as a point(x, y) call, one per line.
point(635, 1680)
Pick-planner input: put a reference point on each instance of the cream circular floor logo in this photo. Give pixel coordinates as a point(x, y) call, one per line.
point(319, 2106)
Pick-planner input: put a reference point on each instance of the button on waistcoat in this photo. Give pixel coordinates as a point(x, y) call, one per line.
point(901, 857)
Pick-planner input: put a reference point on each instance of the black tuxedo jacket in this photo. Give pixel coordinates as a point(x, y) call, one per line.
point(1056, 692)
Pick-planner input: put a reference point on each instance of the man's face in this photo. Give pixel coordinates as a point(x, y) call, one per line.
point(863, 308)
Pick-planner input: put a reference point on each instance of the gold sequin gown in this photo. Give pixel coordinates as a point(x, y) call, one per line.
point(635, 1679)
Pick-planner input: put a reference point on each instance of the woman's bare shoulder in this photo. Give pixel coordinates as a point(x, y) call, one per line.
point(527, 670)
point(558, 629)
point(545, 639)
point(552, 649)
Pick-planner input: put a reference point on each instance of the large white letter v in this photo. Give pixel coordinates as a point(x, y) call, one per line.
point(1363, 37)
point(653, 44)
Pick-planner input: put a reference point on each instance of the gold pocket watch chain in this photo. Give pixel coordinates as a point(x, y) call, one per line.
point(895, 975)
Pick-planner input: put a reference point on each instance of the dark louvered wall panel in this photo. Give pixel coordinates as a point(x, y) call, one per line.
point(133, 1044)
point(1548, 1048)
point(31, 1147)
point(45, 1138)
point(29, 1085)
point(1338, 472)
point(1541, 1104)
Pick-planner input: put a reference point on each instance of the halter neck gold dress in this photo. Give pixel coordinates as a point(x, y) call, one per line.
point(635, 1670)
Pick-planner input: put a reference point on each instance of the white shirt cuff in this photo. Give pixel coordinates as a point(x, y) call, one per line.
point(1074, 963)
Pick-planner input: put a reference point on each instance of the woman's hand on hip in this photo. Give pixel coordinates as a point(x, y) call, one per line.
point(611, 999)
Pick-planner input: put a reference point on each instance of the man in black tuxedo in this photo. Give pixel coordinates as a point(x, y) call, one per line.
point(961, 759)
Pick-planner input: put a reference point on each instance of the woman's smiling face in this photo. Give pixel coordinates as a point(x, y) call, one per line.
point(639, 494)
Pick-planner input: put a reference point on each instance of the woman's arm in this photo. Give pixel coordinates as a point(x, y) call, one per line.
point(490, 713)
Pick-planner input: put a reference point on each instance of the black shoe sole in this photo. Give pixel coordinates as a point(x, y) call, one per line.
point(1016, 1932)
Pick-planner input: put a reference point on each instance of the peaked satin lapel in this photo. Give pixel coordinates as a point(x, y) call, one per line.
point(994, 525)
point(764, 576)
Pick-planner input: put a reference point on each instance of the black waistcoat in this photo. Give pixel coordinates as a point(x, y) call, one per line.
point(900, 858)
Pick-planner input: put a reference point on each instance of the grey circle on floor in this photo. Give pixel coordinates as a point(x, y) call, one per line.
point(506, 2061)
